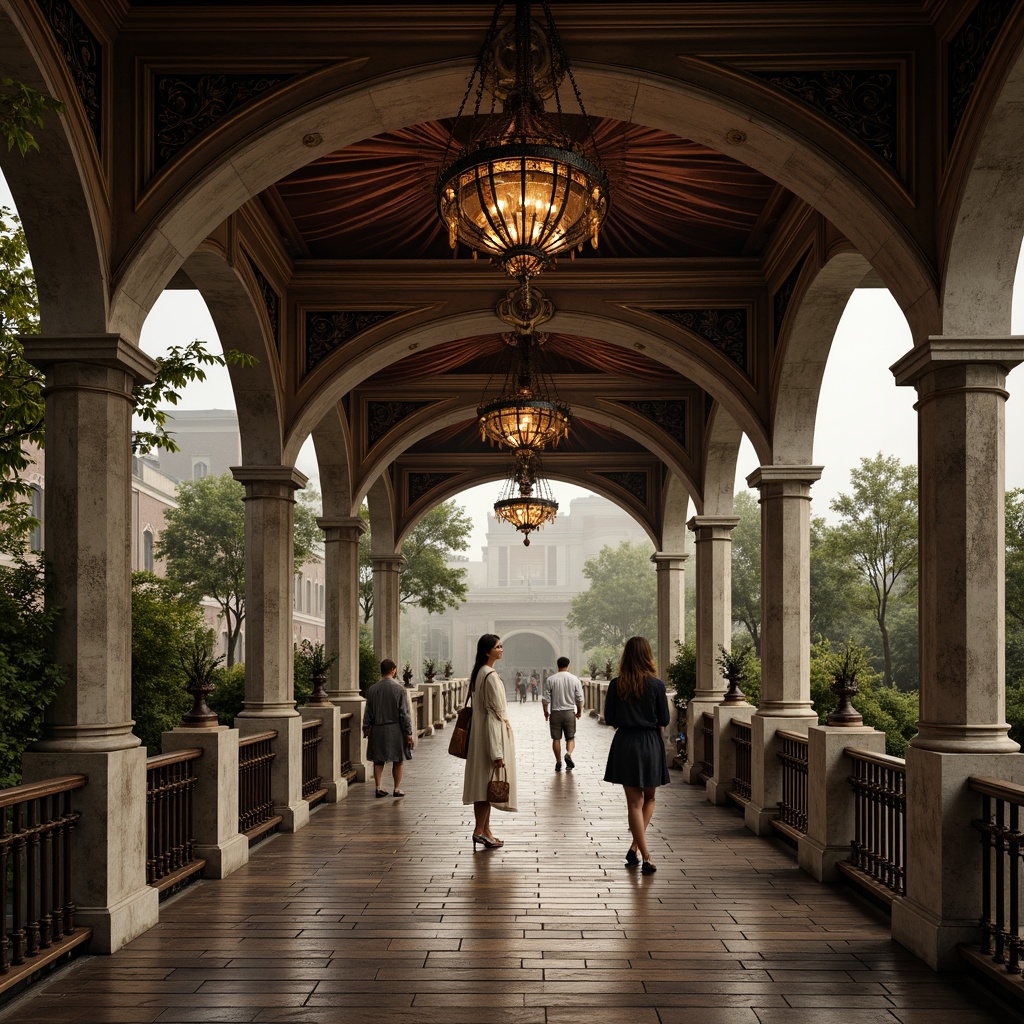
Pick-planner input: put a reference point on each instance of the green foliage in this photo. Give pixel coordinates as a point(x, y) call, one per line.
point(164, 623)
point(306, 532)
point(228, 697)
point(29, 677)
point(369, 663)
point(746, 566)
point(622, 600)
point(1015, 557)
point(310, 660)
point(602, 655)
point(426, 579)
point(22, 109)
point(682, 673)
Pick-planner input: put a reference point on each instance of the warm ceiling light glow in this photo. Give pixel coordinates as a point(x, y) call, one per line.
point(518, 504)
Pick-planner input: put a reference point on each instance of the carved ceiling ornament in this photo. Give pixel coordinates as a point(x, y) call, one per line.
point(668, 414)
point(271, 300)
point(186, 105)
point(966, 54)
point(865, 103)
point(382, 416)
point(632, 481)
point(83, 55)
point(419, 484)
point(725, 329)
point(328, 330)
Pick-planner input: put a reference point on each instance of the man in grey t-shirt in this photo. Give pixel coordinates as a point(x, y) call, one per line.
point(563, 705)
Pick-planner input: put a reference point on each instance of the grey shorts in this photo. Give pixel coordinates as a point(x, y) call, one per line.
point(563, 723)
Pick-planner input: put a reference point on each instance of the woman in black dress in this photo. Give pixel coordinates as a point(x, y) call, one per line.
point(637, 706)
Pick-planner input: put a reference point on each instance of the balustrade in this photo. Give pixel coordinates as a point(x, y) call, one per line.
point(707, 731)
point(792, 818)
point(741, 740)
point(256, 816)
point(418, 713)
point(346, 745)
point(313, 789)
point(879, 846)
point(170, 837)
point(37, 823)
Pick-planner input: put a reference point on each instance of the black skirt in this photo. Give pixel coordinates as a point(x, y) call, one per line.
point(637, 758)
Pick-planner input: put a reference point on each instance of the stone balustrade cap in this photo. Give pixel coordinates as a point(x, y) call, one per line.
point(940, 351)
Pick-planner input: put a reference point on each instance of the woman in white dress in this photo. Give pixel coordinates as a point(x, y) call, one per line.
point(491, 743)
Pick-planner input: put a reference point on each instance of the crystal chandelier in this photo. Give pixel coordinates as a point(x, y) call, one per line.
point(522, 190)
point(526, 502)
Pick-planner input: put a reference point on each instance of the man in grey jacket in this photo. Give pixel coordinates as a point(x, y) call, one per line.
point(563, 706)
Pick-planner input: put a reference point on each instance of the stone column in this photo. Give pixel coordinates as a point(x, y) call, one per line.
point(269, 668)
point(671, 605)
point(387, 606)
point(785, 629)
point(713, 557)
point(962, 732)
point(341, 626)
point(88, 727)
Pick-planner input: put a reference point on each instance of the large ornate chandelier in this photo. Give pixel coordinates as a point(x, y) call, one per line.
point(526, 502)
point(522, 190)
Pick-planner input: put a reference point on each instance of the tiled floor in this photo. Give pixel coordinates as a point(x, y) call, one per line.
point(380, 911)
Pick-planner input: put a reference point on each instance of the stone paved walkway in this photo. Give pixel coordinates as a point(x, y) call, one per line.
point(379, 912)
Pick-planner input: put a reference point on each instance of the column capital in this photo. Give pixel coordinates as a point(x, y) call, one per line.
point(940, 352)
point(252, 476)
point(668, 559)
point(107, 350)
point(346, 528)
point(724, 525)
point(387, 563)
point(784, 475)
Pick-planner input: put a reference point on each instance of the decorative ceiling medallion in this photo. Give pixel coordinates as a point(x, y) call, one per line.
point(83, 55)
point(271, 301)
point(865, 103)
point(966, 54)
point(633, 482)
point(782, 296)
point(669, 415)
point(419, 484)
point(382, 416)
point(328, 330)
point(185, 106)
point(725, 329)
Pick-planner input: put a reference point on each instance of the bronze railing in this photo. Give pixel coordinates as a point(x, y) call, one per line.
point(1002, 855)
point(707, 731)
point(37, 925)
point(741, 739)
point(879, 845)
point(793, 758)
point(171, 862)
point(346, 744)
point(313, 790)
point(256, 816)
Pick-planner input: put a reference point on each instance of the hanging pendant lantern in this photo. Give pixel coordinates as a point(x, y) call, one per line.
point(526, 502)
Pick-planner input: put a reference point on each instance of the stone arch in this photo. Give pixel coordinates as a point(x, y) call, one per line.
point(540, 636)
point(981, 260)
point(722, 449)
point(798, 375)
point(675, 515)
point(333, 443)
point(68, 252)
point(695, 108)
point(380, 500)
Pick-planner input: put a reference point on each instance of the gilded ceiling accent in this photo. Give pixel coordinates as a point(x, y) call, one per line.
point(83, 55)
point(382, 416)
point(967, 51)
point(185, 106)
point(864, 103)
point(725, 329)
point(418, 484)
point(328, 330)
point(271, 301)
point(782, 296)
point(633, 482)
point(669, 415)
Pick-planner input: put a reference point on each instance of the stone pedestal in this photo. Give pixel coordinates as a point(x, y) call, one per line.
point(671, 605)
point(215, 804)
point(328, 764)
point(602, 693)
point(695, 711)
point(765, 770)
point(830, 799)
point(719, 785)
point(354, 705)
point(286, 768)
point(434, 692)
point(430, 712)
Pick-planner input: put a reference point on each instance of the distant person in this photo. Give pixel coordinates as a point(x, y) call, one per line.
point(563, 706)
point(636, 704)
point(387, 725)
point(533, 685)
point(518, 683)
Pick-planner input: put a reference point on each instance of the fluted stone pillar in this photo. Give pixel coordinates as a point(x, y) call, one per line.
point(387, 605)
point(269, 666)
point(671, 578)
point(962, 729)
point(713, 560)
point(785, 629)
point(88, 727)
point(341, 626)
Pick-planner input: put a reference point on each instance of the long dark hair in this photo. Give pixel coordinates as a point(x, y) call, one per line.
point(635, 665)
point(484, 646)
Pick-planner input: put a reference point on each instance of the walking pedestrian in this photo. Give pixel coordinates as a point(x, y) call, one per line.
point(563, 705)
point(387, 725)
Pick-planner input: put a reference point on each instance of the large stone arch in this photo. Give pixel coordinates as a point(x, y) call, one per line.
point(332, 441)
point(675, 515)
point(712, 106)
point(721, 452)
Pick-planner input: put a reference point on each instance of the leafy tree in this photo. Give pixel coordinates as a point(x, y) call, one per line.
point(746, 566)
point(21, 109)
point(838, 602)
point(29, 676)
point(426, 579)
point(369, 663)
point(1015, 557)
point(682, 674)
point(164, 623)
point(878, 532)
point(622, 600)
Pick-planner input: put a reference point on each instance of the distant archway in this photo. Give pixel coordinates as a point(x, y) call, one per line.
point(526, 653)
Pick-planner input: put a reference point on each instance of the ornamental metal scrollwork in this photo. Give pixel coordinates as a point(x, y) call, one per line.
point(271, 301)
point(967, 52)
point(185, 106)
point(633, 482)
point(725, 329)
point(382, 416)
point(782, 296)
point(863, 103)
point(418, 484)
point(83, 55)
point(669, 415)
point(328, 330)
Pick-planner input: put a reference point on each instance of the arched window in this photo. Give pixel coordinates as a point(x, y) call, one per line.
point(199, 470)
point(309, 597)
point(147, 550)
point(35, 540)
point(297, 597)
